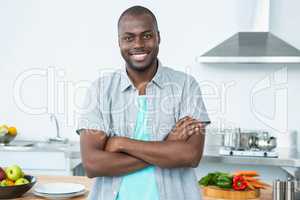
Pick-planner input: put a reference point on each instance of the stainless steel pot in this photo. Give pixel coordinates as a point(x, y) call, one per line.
point(264, 142)
point(236, 139)
point(231, 138)
point(247, 139)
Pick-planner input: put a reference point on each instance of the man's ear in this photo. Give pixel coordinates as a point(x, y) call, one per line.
point(119, 41)
point(158, 34)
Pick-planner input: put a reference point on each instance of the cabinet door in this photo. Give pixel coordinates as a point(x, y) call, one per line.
point(40, 163)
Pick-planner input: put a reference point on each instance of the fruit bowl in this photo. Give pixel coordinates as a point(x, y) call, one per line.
point(15, 191)
point(6, 139)
point(7, 134)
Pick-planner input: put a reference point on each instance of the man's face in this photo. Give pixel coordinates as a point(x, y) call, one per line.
point(138, 41)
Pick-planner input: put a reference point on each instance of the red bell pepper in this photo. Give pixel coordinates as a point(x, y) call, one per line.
point(239, 183)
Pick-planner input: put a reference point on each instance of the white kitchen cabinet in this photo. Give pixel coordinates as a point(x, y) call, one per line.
point(40, 162)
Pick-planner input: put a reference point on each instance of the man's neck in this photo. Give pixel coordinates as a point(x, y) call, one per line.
point(140, 79)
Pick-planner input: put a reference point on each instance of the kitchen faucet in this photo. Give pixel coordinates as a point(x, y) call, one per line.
point(58, 138)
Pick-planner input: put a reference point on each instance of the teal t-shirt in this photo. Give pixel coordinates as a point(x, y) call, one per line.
point(140, 185)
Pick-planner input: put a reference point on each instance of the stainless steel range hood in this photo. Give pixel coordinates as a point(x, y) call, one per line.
point(252, 47)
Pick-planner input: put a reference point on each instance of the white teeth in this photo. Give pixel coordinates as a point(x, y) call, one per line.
point(139, 57)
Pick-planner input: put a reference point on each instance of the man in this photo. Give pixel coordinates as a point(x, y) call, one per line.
point(143, 131)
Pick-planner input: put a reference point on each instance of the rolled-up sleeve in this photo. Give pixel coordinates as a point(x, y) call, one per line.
point(192, 103)
point(91, 116)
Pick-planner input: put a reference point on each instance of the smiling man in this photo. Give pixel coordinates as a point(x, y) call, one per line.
point(143, 130)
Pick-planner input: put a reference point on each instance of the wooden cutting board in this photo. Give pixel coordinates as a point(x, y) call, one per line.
point(218, 193)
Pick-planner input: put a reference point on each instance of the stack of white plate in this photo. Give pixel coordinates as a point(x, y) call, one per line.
point(59, 190)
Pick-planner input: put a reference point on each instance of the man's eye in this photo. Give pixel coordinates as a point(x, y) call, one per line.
point(148, 36)
point(128, 38)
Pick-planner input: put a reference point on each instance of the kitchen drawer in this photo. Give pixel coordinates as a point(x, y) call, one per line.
point(34, 160)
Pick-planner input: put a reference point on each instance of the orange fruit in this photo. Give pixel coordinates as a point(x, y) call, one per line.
point(12, 131)
point(10, 182)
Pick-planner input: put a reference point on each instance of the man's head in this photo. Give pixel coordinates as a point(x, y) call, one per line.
point(138, 38)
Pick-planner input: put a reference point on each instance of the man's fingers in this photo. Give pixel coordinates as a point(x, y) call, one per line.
point(202, 125)
point(191, 122)
point(182, 120)
point(182, 136)
point(193, 131)
point(187, 127)
point(186, 123)
point(191, 128)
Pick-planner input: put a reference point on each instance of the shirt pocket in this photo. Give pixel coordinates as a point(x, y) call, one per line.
point(166, 122)
point(167, 116)
point(117, 124)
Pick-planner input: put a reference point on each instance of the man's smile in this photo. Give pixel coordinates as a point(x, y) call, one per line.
point(139, 56)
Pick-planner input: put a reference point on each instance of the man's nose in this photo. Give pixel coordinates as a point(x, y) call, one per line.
point(139, 42)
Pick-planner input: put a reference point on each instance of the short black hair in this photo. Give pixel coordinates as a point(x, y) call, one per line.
point(136, 11)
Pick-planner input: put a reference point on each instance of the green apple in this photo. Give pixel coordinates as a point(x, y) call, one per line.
point(3, 130)
point(21, 181)
point(3, 183)
point(14, 172)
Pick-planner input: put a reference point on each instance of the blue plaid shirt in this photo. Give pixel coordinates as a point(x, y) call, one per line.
point(111, 106)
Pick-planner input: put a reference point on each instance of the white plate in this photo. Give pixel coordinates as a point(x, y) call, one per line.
point(59, 188)
point(59, 196)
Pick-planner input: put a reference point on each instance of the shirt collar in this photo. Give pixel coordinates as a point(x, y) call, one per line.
point(157, 79)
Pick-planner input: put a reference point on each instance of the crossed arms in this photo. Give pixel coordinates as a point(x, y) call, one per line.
point(114, 156)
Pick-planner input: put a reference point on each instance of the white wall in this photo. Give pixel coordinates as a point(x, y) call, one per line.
point(79, 38)
point(284, 22)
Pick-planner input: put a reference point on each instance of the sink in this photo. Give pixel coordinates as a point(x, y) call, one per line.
point(37, 145)
point(53, 145)
point(17, 148)
point(18, 145)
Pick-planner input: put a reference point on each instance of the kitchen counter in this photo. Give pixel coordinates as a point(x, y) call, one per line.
point(71, 149)
point(265, 194)
point(286, 158)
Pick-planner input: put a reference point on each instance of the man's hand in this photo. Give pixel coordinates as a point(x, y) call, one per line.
point(114, 144)
point(185, 128)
